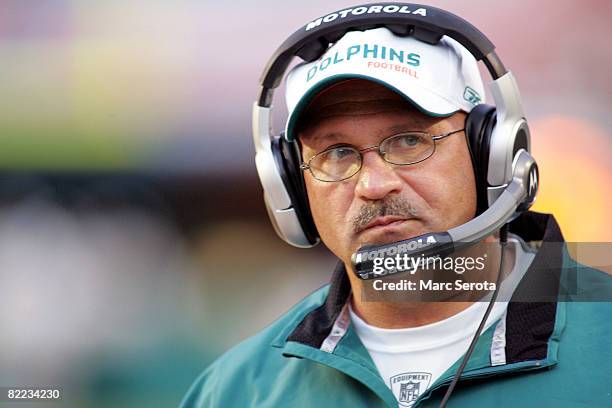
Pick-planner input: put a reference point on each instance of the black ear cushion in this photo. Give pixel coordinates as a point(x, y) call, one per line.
point(479, 125)
point(287, 157)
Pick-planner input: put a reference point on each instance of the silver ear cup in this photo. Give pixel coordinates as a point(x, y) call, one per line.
point(504, 147)
point(272, 217)
point(509, 134)
point(278, 203)
point(287, 225)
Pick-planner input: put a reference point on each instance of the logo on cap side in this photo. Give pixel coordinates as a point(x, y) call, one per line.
point(471, 96)
point(389, 9)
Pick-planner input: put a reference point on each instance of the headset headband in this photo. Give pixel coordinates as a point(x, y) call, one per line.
point(425, 23)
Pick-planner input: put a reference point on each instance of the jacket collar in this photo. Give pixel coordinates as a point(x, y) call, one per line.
point(529, 325)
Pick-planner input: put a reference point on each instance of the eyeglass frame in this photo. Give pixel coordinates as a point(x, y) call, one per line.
point(306, 165)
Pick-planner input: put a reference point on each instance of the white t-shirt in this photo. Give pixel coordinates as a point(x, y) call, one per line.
point(410, 360)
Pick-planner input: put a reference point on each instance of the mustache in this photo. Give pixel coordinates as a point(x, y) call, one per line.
point(390, 205)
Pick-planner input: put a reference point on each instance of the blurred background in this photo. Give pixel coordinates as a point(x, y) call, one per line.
point(134, 245)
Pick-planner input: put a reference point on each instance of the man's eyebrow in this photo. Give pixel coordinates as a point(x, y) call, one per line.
point(321, 137)
point(415, 126)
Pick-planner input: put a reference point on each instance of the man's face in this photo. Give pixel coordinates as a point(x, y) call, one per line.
point(384, 202)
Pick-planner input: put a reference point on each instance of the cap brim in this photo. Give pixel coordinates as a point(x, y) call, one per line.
point(428, 102)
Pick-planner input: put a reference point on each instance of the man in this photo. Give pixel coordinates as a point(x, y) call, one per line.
point(385, 158)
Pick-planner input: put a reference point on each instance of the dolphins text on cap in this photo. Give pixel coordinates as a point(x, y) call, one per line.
point(369, 51)
point(389, 9)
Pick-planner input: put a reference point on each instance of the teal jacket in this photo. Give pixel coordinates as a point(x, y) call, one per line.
point(552, 353)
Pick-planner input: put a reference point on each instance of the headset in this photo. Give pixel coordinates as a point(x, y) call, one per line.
point(498, 136)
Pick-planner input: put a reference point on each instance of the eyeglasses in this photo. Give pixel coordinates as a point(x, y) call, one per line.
point(339, 163)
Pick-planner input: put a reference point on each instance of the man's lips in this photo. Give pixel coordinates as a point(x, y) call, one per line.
point(388, 220)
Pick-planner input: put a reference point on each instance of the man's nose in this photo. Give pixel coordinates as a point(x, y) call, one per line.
point(377, 178)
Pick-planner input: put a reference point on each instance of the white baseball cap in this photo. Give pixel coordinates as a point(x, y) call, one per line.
point(438, 79)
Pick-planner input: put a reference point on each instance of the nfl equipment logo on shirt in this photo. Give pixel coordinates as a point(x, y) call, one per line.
point(407, 387)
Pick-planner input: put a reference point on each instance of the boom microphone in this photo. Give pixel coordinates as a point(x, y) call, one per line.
point(517, 196)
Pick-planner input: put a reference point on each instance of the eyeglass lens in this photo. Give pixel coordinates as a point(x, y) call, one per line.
point(342, 162)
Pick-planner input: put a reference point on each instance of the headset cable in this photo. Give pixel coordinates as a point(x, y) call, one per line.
point(503, 239)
